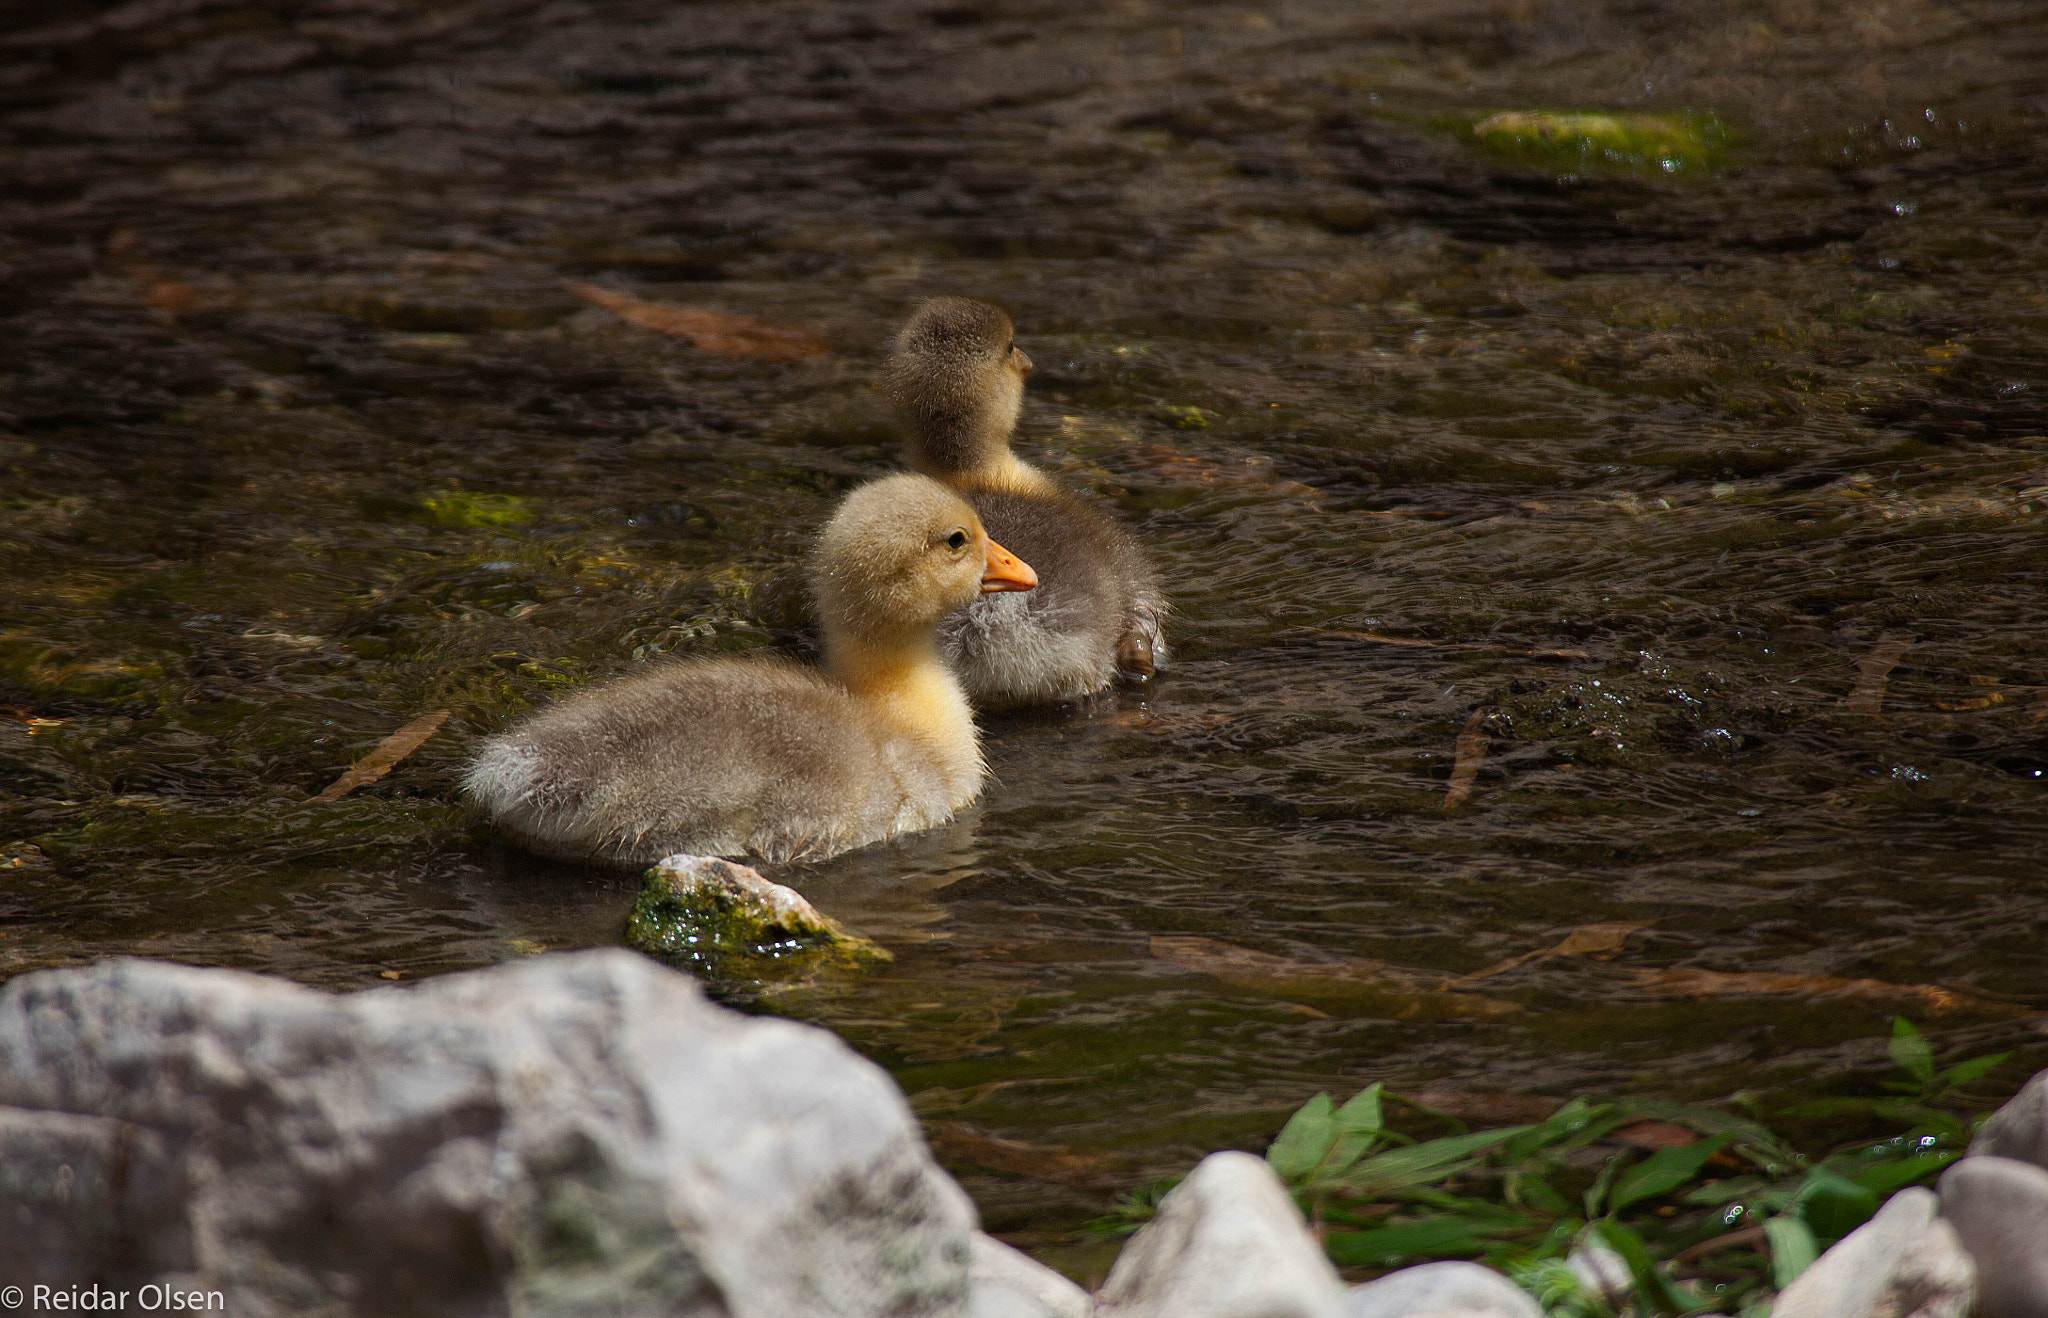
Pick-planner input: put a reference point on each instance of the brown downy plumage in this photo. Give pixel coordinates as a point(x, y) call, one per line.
point(732, 757)
point(958, 381)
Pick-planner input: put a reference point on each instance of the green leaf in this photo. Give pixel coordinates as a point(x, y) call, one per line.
point(1664, 1171)
point(1567, 1121)
point(1596, 1194)
point(1443, 1237)
point(1909, 1049)
point(1362, 1113)
point(1887, 1177)
point(1767, 1144)
point(1300, 1146)
point(1652, 1283)
point(1793, 1249)
point(1833, 1205)
point(1358, 1128)
point(1723, 1192)
point(1419, 1164)
point(1538, 1194)
point(1962, 1073)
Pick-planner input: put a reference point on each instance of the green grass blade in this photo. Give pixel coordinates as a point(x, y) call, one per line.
point(1909, 1049)
point(1419, 1164)
point(1664, 1171)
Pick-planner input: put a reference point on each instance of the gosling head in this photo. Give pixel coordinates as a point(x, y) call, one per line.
point(957, 376)
point(900, 554)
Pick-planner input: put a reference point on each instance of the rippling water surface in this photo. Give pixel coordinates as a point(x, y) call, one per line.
point(1703, 489)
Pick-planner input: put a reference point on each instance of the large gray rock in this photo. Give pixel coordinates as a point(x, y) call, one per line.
point(1228, 1243)
point(578, 1134)
point(1902, 1263)
point(1004, 1283)
point(2000, 1209)
point(1441, 1290)
point(2020, 1128)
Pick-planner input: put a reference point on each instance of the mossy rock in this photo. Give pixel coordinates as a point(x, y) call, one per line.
point(725, 922)
point(1582, 141)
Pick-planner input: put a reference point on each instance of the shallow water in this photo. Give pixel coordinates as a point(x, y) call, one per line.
point(1719, 492)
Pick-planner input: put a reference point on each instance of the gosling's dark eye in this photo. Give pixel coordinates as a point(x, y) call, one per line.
point(957, 540)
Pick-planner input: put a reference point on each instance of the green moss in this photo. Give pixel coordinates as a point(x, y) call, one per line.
point(1580, 142)
point(725, 922)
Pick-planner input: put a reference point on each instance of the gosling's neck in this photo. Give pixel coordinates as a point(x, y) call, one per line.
point(977, 466)
point(908, 687)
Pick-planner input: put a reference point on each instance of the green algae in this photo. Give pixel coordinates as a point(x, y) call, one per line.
point(724, 922)
point(1583, 141)
point(470, 508)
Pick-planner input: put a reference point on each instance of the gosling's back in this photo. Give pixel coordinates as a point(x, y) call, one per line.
point(716, 757)
point(1096, 610)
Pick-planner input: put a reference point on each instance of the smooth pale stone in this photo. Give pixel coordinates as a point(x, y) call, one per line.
point(1603, 1273)
point(2020, 1128)
point(1441, 1290)
point(1902, 1263)
point(1228, 1242)
point(1999, 1206)
point(569, 1135)
point(1006, 1283)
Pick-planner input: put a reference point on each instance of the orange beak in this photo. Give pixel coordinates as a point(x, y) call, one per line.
point(1022, 360)
point(1006, 571)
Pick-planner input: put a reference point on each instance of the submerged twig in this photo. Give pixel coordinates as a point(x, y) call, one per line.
point(1876, 669)
point(1594, 940)
point(387, 754)
point(1470, 753)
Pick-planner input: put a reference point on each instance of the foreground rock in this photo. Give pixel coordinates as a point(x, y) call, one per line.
point(580, 1134)
point(1004, 1283)
point(2000, 1209)
point(2020, 1128)
point(724, 921)
point(1227, 1242)
point(1452, 1290)
point(1902, 1263)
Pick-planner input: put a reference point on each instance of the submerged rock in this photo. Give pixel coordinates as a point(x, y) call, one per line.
point(715, 918)
point(1467, 1290)
point(2020, 1128)
point(573, 1134)
point(1902, 1263)
point(1663, 143)
point(1228, 1242)
point(2000, 1209)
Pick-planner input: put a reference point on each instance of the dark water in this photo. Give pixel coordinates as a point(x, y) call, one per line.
point(304, 433)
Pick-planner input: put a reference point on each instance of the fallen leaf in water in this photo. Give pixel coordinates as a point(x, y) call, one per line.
point(1470, 752)
point(1875, 671)
point(959, 1144)
point(390, 974)
point(712, 331)
point(387, 754)
point(1595, 940)
point(1653, 1135)
point(1717, 984)
point(1408, 995)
